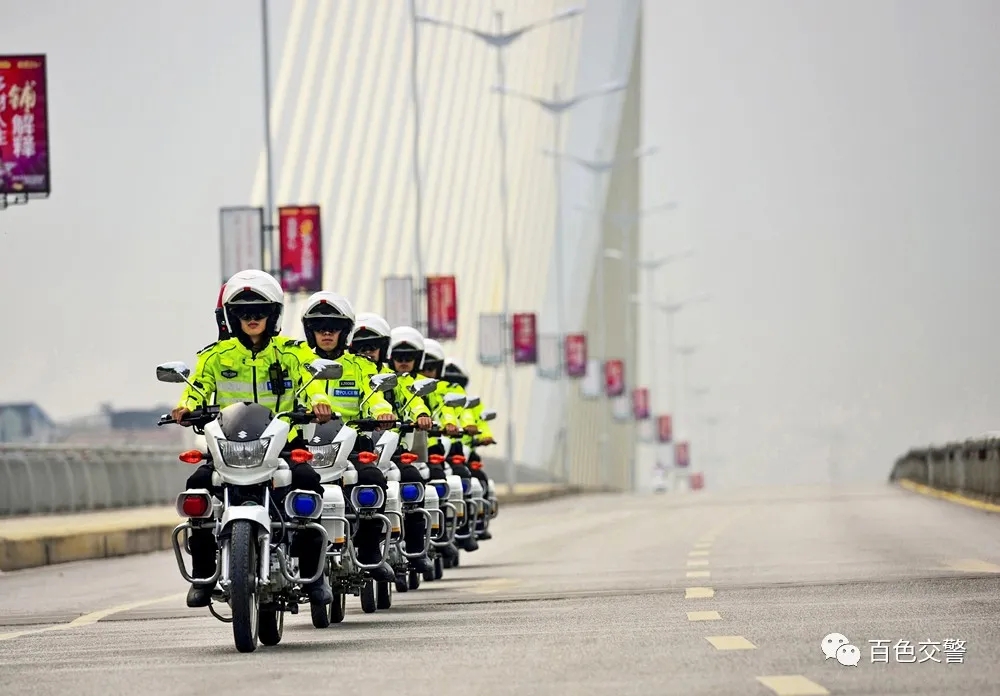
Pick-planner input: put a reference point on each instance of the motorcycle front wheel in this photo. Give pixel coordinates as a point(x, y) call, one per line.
point(243, 592)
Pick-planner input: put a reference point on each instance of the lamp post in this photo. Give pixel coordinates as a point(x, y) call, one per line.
point(625, 221)
point(558, 108)
point(267, 234)
point(500, 40)
point(417, 183)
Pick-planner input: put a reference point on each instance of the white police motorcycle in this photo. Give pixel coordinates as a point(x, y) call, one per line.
point(255, 572)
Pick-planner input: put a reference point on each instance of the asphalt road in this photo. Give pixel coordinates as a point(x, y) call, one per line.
point(698, 594)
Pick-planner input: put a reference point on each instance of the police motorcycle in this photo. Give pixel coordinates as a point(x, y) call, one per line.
point(256, 574)
point(333, 458)
point(490, 505)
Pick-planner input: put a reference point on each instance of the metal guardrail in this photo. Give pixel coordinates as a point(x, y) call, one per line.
point(49, 479)
point(971, 466)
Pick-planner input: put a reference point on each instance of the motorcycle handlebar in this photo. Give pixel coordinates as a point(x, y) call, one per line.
point(197, 418)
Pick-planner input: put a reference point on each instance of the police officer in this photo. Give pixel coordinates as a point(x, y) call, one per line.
point(372, 339)
point(455, 374)
point(328, 322)
point(252, 366)
point(431, 366)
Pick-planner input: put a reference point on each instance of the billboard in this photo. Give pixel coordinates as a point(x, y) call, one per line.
point(576, 355)
point(525, 338)
point(24, 126)
point(399, 301)
point(442, 308)
point(241, 232)
point(300, 248)
point(640, 403)
point(549, 356)
point(614, 377)
point(492, 339)
point(664, 428)
point(682, 454)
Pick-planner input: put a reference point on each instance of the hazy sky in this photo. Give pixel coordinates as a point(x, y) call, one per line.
point(835, 162)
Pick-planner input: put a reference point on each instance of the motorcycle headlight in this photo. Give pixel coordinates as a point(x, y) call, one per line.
point(243, 455)
point(324, 455)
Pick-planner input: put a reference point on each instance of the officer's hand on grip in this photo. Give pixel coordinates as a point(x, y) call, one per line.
point(178, 413)
point(389, 418)
point(425, 422)
point(322, 412)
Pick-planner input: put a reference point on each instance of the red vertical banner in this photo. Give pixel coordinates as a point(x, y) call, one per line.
point(576, 355)
point(525, 339)
point(665, 428)
point(640, 403)
point(614, 377)
point(682, 454)
point(301, 249)
point(442, 308)
point(697, 481)
point(24, 126)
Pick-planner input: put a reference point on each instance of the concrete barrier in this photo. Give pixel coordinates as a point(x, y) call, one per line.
point(54, 479)
point(969, 468)
point(29, 542)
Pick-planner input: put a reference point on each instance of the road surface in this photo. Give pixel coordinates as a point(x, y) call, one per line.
point(696, 594)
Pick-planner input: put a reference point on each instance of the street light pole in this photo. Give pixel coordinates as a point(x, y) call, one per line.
point(558, 107)
point(500, 40)
point(417, 183)
point(267, 233)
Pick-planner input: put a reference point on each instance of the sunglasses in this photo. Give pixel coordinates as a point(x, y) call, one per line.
point(326, 325)
point(251, 312)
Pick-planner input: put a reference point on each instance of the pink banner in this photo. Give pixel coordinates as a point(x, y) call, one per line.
point(576, 355)
point(525, 339)
point(665, 428)
point(640, 403)
point(614, 377)
point(301, 249)
point(682, 454)
point(697, 481)
point(24, 126)
point(442, 308)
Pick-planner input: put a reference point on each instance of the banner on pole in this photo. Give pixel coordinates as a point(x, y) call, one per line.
point(697, 480)
point(525, 338)
point(241, 230)
point(592, 385)
point(640, 403)
point(24, 126)
point(621, 408)
point(614, 377)
point(492, 343)
point(682, 454)
point(301, 250)
point(665, 428)
point(399, 300)
point(549, 357)
point(576, 355)
point(442, 308)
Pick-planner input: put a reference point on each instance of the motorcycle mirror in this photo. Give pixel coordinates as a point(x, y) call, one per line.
point(423, 387)
point(173, 372)
point(488, 415)
point(454, 400)
point(472, 402)
point(383, 382)
point(325, 369)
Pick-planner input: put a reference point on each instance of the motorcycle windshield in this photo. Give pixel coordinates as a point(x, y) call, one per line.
point(244, 422)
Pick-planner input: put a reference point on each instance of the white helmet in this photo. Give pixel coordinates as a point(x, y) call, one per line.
point(253, 288)
point(323, 307)
point(407, 343)
point(370, 331)
point(453, 367)
point(433, 350)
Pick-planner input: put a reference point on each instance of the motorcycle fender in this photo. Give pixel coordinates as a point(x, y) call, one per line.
point(254, 513)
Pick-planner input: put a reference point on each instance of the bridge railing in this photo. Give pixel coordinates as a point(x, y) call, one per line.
point(53, 479)
point(969, 466)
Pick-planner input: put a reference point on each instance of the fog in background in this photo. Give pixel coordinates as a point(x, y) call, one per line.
point(835, 164)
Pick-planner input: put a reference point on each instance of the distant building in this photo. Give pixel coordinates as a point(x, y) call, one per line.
point(113, 428)
point(26, 423)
